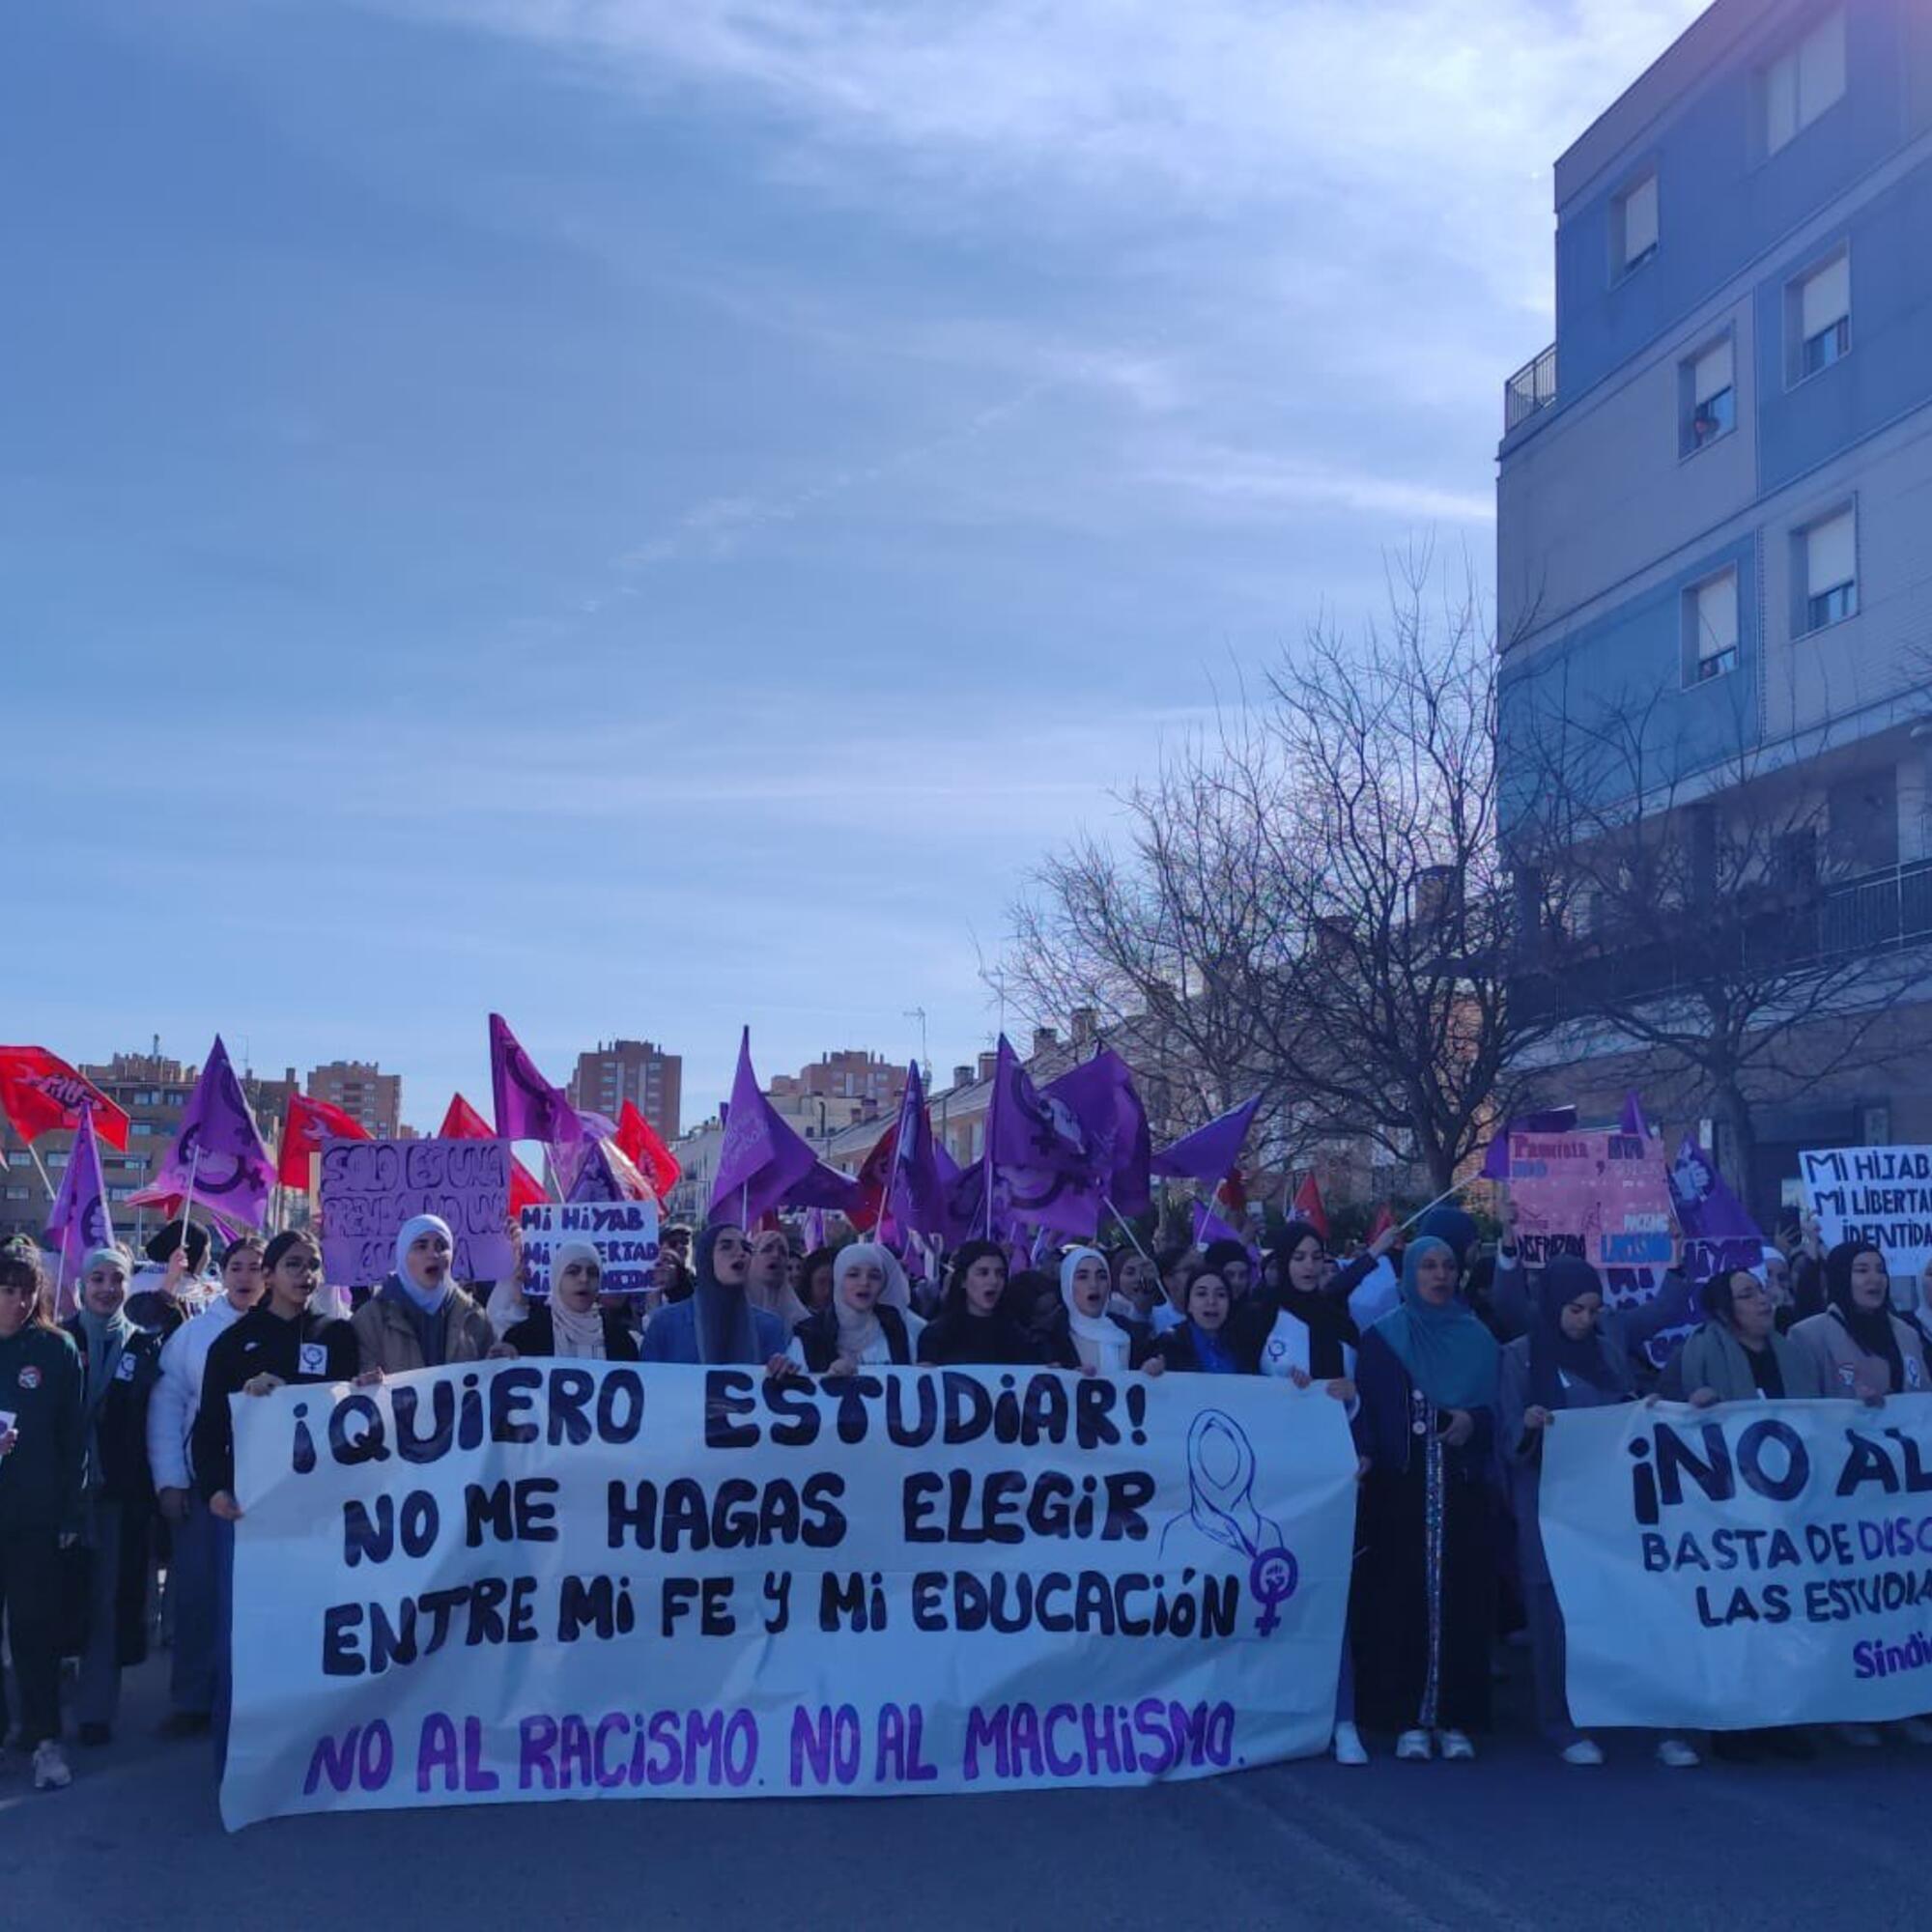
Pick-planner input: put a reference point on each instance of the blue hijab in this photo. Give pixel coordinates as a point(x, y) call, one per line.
point(1450, 1357)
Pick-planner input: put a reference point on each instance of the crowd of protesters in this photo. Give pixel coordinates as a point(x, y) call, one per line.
point(1452, 1363)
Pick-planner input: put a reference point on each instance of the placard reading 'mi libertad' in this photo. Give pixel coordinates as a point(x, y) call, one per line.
point(369, 1188)
point(1877, 1194)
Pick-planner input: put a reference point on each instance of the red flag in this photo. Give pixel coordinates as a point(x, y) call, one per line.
point(641, 1144)
point(1308, 1205)
point(463, 1122)
point(1382, 1224)
point(1235, 1190)
point(873, 1174)
point(307, 1123)
point(39, 1092)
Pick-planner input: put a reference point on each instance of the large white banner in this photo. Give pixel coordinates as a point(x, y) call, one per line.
point(525, 1580)
point(1749, 1564)
point(1877, 1194)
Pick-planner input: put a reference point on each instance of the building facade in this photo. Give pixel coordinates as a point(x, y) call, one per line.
point(360, 1088)
point(1715, 498)
point(637, 1070)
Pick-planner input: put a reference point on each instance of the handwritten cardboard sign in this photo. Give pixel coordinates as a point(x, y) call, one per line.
point(369, 1188)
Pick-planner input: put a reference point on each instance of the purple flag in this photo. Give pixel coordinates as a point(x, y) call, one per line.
point(1037, 1151)
point(1719, 1232)
point(822, 1185)
point(1632, 1120)
point(1099, 1094)
point(1553, 1121)
point(1208, 1227)
point(1210, 1153)
point(528, 1108)
point(761, 1160)
point(79, 1219)
point(217, 1156)
point(915, 1189)
point(950, 1169)
point(815, 1229)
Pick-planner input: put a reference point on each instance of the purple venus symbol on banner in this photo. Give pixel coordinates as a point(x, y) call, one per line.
point(1272, 1577)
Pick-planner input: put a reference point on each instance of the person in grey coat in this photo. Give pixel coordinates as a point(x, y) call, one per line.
point(1567, 1361)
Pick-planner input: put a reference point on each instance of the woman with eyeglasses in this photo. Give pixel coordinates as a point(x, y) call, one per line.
point(573, 1324)
point(1738, 1354)
point(43, 1463)
point(718, 1324)
point(870, 1323)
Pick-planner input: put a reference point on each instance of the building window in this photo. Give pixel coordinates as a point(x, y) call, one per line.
point(1634, 226)
point(1804, 80)
point(1818, 317)
point(1711, 628)
point(1826, 561)
point(1708, 395)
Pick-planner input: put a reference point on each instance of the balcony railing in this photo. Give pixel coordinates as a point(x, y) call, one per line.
point(1880, 913)
point(1531, 388)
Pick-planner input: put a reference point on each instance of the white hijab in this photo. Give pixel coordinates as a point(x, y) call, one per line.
point(579, 1336)
point(412, 1230)
point(857, 1333)
point(1101, 1344)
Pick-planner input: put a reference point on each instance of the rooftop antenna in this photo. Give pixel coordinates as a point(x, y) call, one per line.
point(924, 1053)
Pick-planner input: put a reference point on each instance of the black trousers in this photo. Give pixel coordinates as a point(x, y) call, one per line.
point(30, 1598)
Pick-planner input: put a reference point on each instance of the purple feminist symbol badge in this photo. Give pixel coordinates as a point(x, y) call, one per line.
point(1272, 1577)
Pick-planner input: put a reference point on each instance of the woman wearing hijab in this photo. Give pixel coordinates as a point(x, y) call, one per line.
point(1564, 1362)
point(573, 1324)
point(1230, 1260)
point(719, 1324)
point(869, 1323)
point(1302, 1329)
point(1086, 1338)
point(1206, 1343)
point(120, 1365)
point(43, 1465)
point(1862, 1349)
point(419, 1318)
point(1427, 1376)
point(767, 1281)
point(975, 1323)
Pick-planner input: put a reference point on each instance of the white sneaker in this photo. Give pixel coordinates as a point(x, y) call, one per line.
point(1413, 1747)
point(1585, 1750)
point(1674, 1754)
point(1914, 1730)
point(1861, 1737)
point(1349, 1746)
point(1456, 1747)
point(50, 1772)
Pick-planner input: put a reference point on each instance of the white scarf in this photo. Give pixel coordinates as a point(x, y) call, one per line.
point(859, 1334)
point(1102, 1346)
point(580, 1336)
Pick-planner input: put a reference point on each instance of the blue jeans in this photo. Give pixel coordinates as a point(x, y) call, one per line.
point(223, 1538)
point(192, 1597)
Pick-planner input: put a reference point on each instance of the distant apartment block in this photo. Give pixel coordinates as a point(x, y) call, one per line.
point(363, 1089)
point(634, 1071)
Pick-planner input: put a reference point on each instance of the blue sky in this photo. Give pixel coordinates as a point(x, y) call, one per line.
point(651, 515)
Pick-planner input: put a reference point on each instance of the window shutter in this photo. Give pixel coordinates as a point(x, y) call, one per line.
point(1718, 616)
point(1827, 296)
point(1831, 553)
point(1713, 374)
point(1821, 68)
point(1780, 102)
point(1641, 219)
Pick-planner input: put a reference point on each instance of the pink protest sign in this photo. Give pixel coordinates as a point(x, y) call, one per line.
point(1603, 1196)
point(369, 1188)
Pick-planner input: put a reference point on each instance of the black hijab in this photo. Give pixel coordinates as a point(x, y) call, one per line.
point(1555, 1356)
point(1869, 1328)
point(1326, 1317)
point(726, 1330)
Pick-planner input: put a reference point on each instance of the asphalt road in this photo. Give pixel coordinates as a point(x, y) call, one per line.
point(1514, 1841)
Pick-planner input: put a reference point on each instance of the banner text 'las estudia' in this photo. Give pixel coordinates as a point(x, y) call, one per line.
point(525, 1581)
point(1745, 1565)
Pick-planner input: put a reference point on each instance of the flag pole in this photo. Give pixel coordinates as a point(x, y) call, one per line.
point(45, 1180)
point(1454, 1188)
point(187, 1199)
point(1128, 1226)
